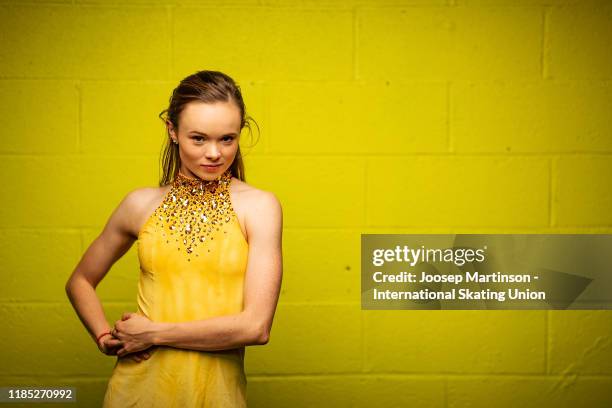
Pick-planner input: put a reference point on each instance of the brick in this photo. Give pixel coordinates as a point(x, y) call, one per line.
point(137, 2)
point(358, 117)
point(432, 191)
point(123, 116)
point(345, 391)
point(581, 342)
point(40, 2)
point(323, 191)
point(533, 3)
point(582, 191)
point(307, 339)
point(255, 48)
point(526, 116)
point(529, 392)
point(32, 124)
point(36, 264)
point(91, 188)
point(36, 181)
point(106, 180)
point(580, 42)
point(56, 41)
point(51, 338)
point(348, 3)
point(401, 341)
point(321, 265)
point(449, 42)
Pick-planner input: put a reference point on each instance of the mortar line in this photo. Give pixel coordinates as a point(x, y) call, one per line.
point(545, 43)
point(449, 134)
point(170, 17)
point(355, 39)
point(344, 374)
point(552, 193)
point(445, 392)
point(79, 145)
point(547, 348)
point(365, 192)
point(356, 156)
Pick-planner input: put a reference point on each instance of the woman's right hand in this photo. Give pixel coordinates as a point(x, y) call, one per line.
point(109, 344)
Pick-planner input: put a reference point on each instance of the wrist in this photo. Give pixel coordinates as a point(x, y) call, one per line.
point(102, 335)
point(101, 345)
point(159, 333)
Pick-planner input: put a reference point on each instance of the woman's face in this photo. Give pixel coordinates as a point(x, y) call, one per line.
point(208, 136)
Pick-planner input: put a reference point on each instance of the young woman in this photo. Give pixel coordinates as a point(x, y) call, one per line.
point(210, 253)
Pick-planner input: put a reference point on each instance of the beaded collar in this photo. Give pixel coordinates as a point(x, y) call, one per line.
point(194, 210)
point(201, 184)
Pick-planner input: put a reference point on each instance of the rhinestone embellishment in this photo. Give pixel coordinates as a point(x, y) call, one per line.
point(194, 209)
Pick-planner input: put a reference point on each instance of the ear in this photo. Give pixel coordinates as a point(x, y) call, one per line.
point(170, 127)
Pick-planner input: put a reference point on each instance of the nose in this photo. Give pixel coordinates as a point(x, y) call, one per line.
point(213, 152)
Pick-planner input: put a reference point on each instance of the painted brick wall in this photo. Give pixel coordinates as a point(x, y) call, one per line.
point(390, 116)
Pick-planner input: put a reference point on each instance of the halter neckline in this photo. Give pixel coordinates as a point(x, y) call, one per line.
point(197, 182)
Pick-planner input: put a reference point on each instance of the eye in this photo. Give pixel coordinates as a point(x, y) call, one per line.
point(228, 138)
point(197, 137)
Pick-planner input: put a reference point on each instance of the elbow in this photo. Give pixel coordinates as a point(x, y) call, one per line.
point(264, 337)
point(72, 286)
point(261, 335)
point(257, 330)
point(68, 288)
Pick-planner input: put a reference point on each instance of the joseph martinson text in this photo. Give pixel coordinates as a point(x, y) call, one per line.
point(455, 293)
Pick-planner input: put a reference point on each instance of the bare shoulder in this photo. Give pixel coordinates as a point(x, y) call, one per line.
point(253, 198)
point(252, 204)
point(139, 205)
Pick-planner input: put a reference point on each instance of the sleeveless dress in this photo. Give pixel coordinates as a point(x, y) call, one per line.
point(193, 258)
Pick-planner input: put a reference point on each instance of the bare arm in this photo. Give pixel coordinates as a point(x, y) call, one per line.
point(112, 243)
point(261, 290)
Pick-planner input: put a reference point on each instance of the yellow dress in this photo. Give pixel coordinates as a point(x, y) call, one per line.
point(193, 258)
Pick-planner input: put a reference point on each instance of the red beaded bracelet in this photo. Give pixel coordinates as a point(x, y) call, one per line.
point(100, 336)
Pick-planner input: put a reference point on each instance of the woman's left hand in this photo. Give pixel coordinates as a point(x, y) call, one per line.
point(135, 332)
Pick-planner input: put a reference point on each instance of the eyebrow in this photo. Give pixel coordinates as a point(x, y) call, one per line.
point(204, 134)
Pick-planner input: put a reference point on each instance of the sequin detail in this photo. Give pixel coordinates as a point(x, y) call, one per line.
point(193, 210)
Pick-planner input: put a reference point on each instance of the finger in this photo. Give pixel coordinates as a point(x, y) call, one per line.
point(126, 315)
point(112, 339)
point(137, 359)
point(114, 343)
point(146, 356)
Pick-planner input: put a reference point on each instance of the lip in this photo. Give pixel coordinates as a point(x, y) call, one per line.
point(210, 167)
